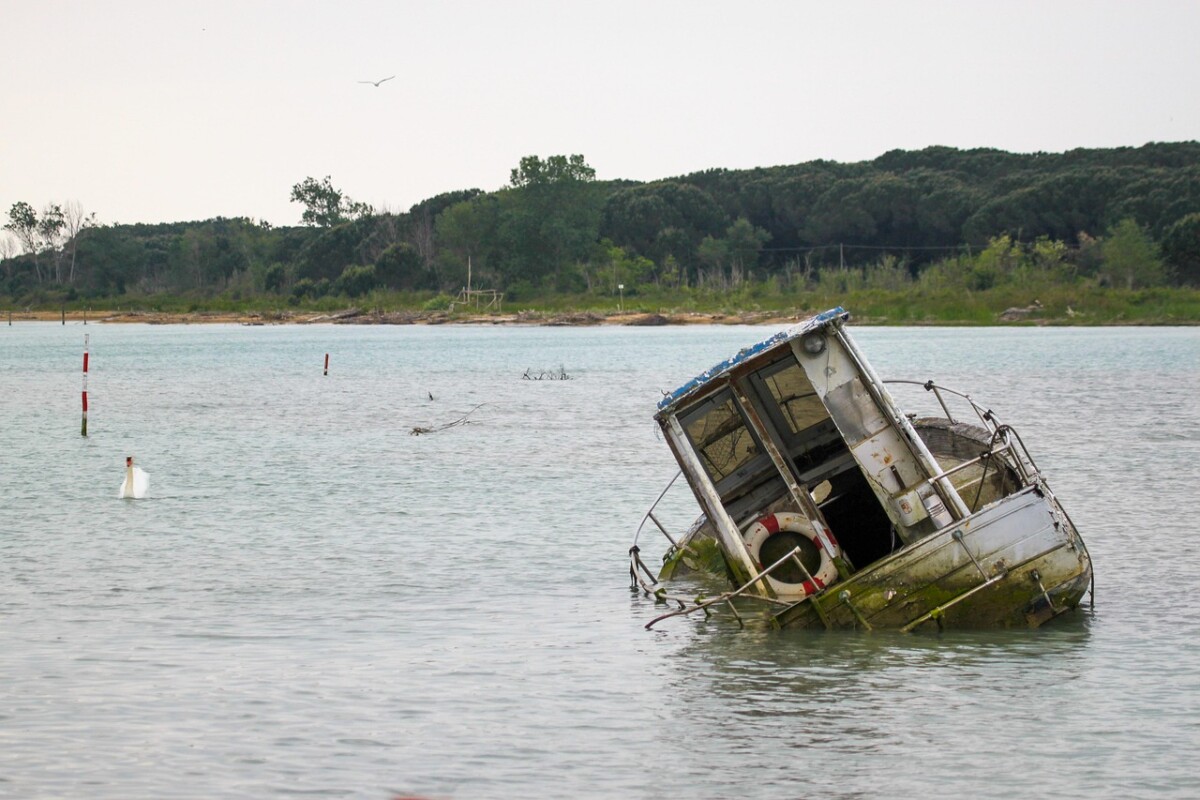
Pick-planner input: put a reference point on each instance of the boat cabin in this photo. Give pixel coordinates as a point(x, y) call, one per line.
point(800, 425)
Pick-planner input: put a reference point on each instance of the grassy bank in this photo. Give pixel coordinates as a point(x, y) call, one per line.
point(915, 305)
point(1059, 305)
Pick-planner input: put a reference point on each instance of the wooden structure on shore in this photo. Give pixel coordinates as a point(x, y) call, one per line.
point(477, 297)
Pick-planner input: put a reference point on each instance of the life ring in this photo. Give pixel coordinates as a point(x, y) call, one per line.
point(773, 524)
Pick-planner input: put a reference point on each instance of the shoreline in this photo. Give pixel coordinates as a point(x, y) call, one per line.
point(356, 316)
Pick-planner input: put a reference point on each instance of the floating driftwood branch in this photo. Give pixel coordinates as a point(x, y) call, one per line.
point(561, 375)
point(418, 430)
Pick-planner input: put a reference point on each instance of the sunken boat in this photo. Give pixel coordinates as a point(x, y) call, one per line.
point(823, 498)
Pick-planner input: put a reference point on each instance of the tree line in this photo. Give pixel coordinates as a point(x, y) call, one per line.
point(1125, 217)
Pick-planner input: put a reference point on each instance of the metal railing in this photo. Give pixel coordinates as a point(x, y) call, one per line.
point(1005, 439)
point(637, 568)
point(649, 516)
point(703, 604)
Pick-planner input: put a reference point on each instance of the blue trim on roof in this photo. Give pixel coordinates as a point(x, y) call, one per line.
point(799, 329)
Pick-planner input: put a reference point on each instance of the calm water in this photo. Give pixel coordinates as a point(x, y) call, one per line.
point(314, 602)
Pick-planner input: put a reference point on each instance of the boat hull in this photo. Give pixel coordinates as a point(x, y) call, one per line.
point(1017, 562)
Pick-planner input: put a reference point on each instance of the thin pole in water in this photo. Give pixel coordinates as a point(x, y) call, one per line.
point(83, 429)
point(327, 363)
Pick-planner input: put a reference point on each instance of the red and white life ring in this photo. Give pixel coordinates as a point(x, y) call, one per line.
point(772, 524)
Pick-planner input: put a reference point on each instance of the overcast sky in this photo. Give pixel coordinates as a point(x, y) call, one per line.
point(162, 111)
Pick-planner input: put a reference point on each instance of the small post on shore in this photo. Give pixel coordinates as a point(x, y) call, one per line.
point(327, 363)
point(64, 314)
point(83, 429)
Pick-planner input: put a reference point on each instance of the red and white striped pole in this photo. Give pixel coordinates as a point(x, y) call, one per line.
point(83, 430)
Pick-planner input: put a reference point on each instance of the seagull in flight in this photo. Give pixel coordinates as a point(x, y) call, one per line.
point(376, 83)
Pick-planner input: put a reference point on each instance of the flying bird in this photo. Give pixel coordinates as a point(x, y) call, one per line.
point(376, 83)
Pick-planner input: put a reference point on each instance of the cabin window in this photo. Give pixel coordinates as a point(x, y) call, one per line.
point(720, 436)
point(798, 404)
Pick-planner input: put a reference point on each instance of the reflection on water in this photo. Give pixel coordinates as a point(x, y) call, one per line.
point(315, 602)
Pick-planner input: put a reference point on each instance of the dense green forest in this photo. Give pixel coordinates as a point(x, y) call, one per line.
point(938, 219)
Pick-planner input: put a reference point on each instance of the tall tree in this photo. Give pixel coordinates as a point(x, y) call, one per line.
point(75, 222)
point(1181, 248)
point(8, 249)
point(466, 232)
point(1130, 257)
point(745, 242)
point(532, 171)
point(732, 258)
point(110, 259)
point(400, 267)
point(23, 222)
point(50, 230)
point(663, 221)
point(549, 218)
point(423, 223)
point(325, 206)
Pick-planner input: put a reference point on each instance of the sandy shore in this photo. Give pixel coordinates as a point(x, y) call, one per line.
point(354, 316)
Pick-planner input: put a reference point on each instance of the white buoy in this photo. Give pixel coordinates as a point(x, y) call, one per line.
point(136, 482)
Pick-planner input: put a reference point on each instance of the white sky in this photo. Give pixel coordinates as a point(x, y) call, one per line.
point(164, 111)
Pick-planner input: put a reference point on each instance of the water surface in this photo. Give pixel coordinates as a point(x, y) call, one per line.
point(315, 602)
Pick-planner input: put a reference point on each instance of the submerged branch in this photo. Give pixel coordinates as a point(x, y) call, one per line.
point(418, 430)
point(561, 375)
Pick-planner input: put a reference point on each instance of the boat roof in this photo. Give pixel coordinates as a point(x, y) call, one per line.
point(698, 383)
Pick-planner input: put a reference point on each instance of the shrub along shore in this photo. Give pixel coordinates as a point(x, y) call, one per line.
point(1009, 305)
point(935, 236)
